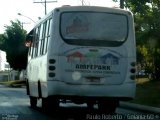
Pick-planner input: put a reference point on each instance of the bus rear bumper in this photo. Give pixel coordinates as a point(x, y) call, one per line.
point(123, 91)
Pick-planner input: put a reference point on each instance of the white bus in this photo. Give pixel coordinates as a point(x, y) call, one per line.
point(84, 54)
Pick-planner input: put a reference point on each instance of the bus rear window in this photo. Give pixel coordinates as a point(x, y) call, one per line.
point(90, 26)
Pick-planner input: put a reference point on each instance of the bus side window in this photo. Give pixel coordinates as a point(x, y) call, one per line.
point(40, 39)
point(43, 36)
point(30, 49)
point(47, 35)
point(35, 43)
point(33, 48)
point(29, 41)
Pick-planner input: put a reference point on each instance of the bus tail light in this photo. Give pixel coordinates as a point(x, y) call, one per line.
point(52, 68)
point(133, 64)
point(133, 71)
point(52, 61)
point(133, 77)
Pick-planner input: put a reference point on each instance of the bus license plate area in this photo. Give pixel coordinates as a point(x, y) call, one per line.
point(93, 80)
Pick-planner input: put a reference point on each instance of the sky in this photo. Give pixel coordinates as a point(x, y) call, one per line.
point(31, 11)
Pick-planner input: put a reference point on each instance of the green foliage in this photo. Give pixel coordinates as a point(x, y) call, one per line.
point(2, 39)
point(147, 25)
point(14, 38)
point(147, 92)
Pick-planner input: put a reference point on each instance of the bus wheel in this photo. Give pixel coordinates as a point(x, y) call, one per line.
point(54, 102)
point(108, 107)
point(27, 87)
point(50, 103)
point(33, 102)
point(45, 104)
point(90, 105)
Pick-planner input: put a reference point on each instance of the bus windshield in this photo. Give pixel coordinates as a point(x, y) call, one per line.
point(93, 26)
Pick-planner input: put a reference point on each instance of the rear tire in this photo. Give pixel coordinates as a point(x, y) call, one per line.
point(50, 104)
point(33, 102)
point(90, 105)
point(27, 87)
point(108, 106)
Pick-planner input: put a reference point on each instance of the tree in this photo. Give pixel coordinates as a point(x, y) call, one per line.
point(1, 42)
point(13, 42)
point(147, 25)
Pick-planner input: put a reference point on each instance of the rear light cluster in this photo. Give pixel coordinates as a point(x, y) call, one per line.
point(133, 71)
point(52, 67)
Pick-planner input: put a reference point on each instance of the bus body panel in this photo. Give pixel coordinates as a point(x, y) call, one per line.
point(37, 71)
point(62, 89)
point(91, 65)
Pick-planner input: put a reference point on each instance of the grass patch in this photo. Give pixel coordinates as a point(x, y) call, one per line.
point(148, 92)
point(14, 83)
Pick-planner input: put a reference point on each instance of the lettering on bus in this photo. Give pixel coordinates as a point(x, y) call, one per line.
point(93, 67)
point(93, 61)
point(106, 73)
